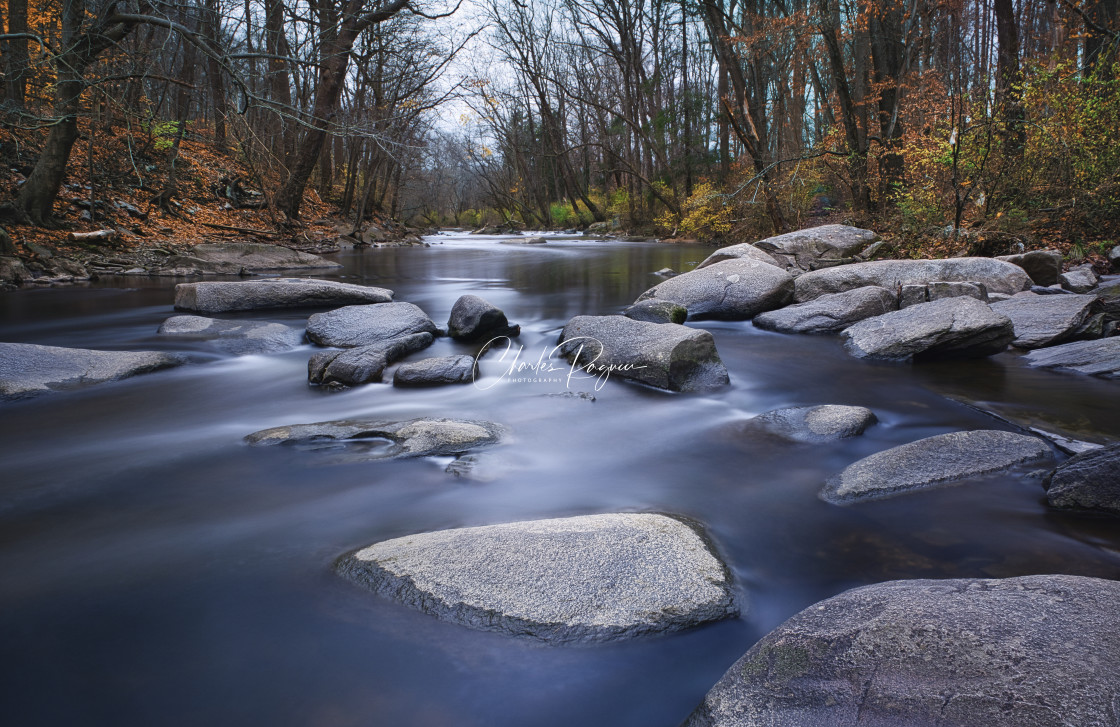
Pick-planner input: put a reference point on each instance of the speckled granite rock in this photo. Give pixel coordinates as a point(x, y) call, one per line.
point(27, 369)
point(362, 325)
point(220, 297)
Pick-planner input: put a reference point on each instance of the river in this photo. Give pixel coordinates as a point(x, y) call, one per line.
point(155, 570)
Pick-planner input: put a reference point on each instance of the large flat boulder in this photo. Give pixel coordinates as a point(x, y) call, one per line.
point(363, 364)
point(829, 313)
point(240, 258)
point(361, 440)
point(221, 297)
point(666, 355)
point(1045, 320)
point(742, 250)
point(996, 275)
point(802, 249)
point(576, 579)
point(1035, 651)
point(821, 423)
point(931, 462)
point(948, 328)
point(475, 319)
point(363, 325)
point(1096, 358)
point(730, 290)
point(1088, 481)
point(27, 369)
point(233, 336)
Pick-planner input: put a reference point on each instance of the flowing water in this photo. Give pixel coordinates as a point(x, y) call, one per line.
point(155, 570)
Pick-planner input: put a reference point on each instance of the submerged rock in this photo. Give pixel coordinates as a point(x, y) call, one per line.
point(363, 364)
point(1096, 358)
point(28, 369)
point(577, 579)
point(815, 423)
point(239, 337)
point(731, 290)
point(932, 461)
point(237, 258)
point(948, 328)
point(1044, 320)
point(665, 355)
point(221, 297)
point(436, 371)
point(474, 319)
point(363, 325)
point(996, 275)
point(1089, 481)
point(652, 310)
point(1036, 651)
point(359, 440)
point(829, 313)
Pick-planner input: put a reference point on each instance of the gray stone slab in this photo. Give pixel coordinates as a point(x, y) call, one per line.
point(730, 290)
point(996, 275)
point(1096, 358)
point(951, 327)
point(221, 297)
point(1089, 481)
point(829, 313)
point(363, 325)
point(1045, 320)
point(28, 369)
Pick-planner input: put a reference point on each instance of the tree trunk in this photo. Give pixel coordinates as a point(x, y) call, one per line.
point(213, 70)
point(1009, 80)
point(16, 60)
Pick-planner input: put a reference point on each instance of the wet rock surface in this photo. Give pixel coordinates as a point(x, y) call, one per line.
point(436, 371)
point(949, 328)
point(1035, 651)
point(1096, 358)
point(475, 319)
point(814, 423)
point(363, 325)
point(363, 364)
point(1088, 481)
point(222, 297)
point(829, 313)
point(664, 355)
point(578, 579)
point(730, 290)
point(932, 461)
point(657, 311)
point(234, 336)
point(28, 369)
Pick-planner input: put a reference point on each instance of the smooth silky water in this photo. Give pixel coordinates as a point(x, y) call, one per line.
point(155, 570)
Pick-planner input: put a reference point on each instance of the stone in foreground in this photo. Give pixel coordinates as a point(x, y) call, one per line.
point(815, 423)
point(363, 325)
point(730, 290)
point(829, 313)
point(665, 355)
point(237, 337)
point(362, 440)
point(1036, 651)
point(364, 364)
point(931, 462)
point(475, 319)
point(577, 579)
point(948, 328)
point(1089, 481)
point(652, 310)
point(27, 369)
point(240, 258)
point(1096, 358)
point(436, 371)
point(1045, 320)
point(221, 297)
point(996, 275)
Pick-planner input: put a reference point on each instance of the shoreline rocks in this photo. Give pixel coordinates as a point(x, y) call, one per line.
point(829, 313)
point(1087, 481)
point(1095, 358)
point(590, 578)
point(224, 297)
point(996, 275)
point(1044, 320)
point(664, 355)
point(930, 462)
point(1033, 651)
point(960, 327)
point(242, 258)
point(28, 369)
point(817, 246)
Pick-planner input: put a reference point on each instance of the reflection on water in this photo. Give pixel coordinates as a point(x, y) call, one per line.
point(158, 571)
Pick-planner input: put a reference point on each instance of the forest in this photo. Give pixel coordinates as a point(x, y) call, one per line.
point(970, 125)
